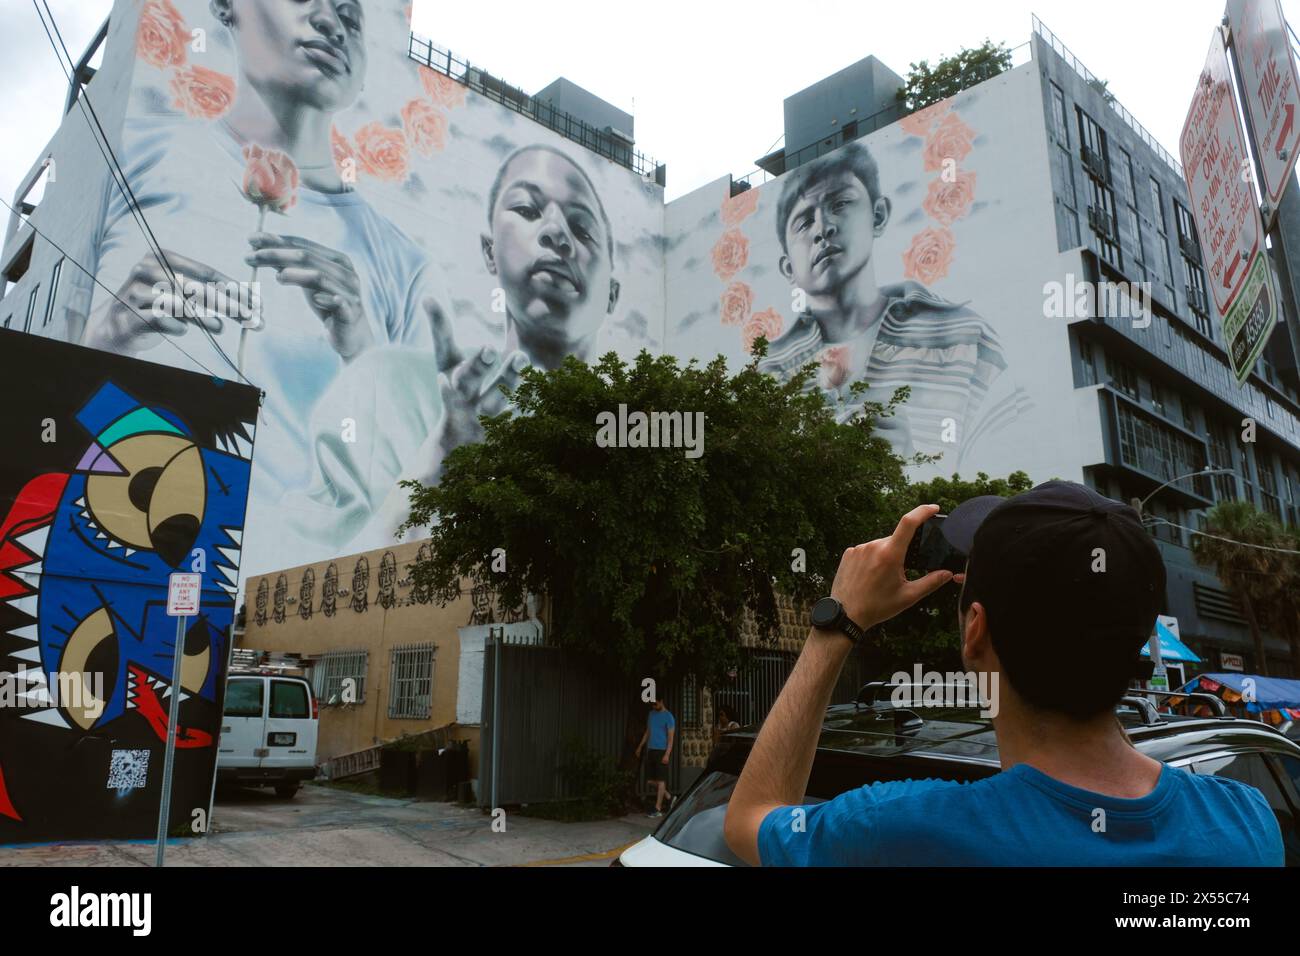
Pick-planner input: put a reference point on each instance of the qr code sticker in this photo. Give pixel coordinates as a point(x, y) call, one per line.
point(129, 770)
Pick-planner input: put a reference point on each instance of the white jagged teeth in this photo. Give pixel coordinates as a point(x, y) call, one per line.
point(130, 551)
point(236, 535)
point(34, 541)
point(32, 654)
point(79, 503)
point(167, 693)
point(231, 555)
point(28, 604)
point(113, 544)
point(49, 716)
point(29, 633)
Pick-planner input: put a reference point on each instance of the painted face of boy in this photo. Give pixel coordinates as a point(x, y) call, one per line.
point(830, 232)
point(550, 249)
point(311, 52)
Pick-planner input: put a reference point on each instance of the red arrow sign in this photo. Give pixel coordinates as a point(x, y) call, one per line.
point(1231, 271)
point(1288, 124)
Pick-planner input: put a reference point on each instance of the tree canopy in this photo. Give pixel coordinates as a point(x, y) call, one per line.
point(926, 85)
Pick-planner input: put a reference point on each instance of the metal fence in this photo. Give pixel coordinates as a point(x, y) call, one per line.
point(606, 142)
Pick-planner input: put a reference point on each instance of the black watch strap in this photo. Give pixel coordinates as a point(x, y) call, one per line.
point(832, 617)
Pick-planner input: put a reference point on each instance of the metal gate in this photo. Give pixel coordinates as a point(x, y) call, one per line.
point(537, 699)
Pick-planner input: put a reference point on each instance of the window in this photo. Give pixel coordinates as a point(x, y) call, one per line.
point(1157, 206)
point(1124, 168)
point(410, 681)
point(54, 291)
point(8, 319)
point(1189, 415)
point(244, 697)
point(691, 710)
point(289, 699)
point(1268, 487)
point(1088, 362)
point(31, 309)
point(330, 671)
point(1059, 127)
point(22, 262)
point(1123, 378)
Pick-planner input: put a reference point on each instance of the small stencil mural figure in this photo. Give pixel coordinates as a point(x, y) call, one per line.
point(329, 590)
point(481, 606)
point(361, 586)
point(306, 594)
point(281, 593)
point(263, 593)
point(387, 581)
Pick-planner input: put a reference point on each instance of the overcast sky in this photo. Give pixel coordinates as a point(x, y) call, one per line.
point(705, 80)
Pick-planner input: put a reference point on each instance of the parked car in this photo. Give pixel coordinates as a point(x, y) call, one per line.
point(268, 732)
point(872, 740)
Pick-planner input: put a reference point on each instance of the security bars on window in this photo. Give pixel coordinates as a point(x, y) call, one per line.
point(332, 669)
point(410, 694)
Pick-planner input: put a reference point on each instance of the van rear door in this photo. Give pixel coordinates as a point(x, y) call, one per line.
point(290, 729)
point(243, 728)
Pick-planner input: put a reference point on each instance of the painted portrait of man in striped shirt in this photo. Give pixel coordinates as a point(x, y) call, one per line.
point(829, 214)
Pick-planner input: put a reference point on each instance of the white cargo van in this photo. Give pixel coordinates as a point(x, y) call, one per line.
point(268, 732)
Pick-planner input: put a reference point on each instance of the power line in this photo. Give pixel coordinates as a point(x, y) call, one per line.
point(93, 279)
point(1205, 534)
point(120, 178)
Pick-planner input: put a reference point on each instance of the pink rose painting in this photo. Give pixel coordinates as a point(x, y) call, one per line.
point(343, 152)
point(920, 122)
point(737, 302)
point(739, 207)
point(930, 255)
point(271, 184)
point(426, 127)
point(949, 201)
point(203, 93)
point(270, 179)
point(730, 254)
point(951, 139)
point(834, 362)
point(767, 324)
point(442, 89)
point(162, 36)
point(382, 152)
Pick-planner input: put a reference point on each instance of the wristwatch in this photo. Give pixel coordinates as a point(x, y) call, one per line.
point(828, 615)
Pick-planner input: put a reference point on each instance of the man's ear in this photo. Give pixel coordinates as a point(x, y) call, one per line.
point(882, 210)
point(614, 289)
point(787, 268)
point(222, 10)
point(489, 253)
point(976, 642)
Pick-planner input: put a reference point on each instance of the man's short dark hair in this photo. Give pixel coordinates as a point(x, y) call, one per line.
point(495, 193)
point(854, 158)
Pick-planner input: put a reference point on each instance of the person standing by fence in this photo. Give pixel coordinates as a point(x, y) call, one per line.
point(660, 730)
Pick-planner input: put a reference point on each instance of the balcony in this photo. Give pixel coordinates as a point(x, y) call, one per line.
point(1094, 163)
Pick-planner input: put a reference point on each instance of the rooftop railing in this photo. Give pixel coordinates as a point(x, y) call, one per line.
point(607, 143)
point(1072, 61)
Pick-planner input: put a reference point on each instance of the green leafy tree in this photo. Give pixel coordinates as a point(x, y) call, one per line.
point(1280, 611)
point(647, 555)
point(926, 85)
point(1248, 572)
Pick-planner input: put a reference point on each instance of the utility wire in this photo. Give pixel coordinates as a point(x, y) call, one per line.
point(1205, 534)
point(119, 175)
point(171, 341)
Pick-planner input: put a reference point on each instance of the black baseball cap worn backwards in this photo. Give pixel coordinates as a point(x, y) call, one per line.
point(1064, 574)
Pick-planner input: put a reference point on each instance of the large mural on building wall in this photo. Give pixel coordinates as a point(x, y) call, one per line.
point(388, 246)
point(116, 473)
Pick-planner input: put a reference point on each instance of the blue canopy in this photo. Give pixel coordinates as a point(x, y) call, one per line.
point(1271, 693)
point(1171, 648)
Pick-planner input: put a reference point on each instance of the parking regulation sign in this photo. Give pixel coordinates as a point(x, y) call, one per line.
point(1271, 89)
point(1215, 164)
point(183, 594)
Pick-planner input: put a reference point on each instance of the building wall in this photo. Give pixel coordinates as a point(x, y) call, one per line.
point(365, 602)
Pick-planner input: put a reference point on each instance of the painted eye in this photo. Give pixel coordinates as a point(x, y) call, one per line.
point(527, 212)
point(90, 658)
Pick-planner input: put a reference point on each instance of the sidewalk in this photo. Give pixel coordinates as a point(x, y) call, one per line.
point(323, 826)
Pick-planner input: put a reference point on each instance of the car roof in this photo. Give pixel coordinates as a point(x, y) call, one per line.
point(960, 734)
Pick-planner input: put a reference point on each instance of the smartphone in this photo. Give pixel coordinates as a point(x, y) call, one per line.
point(931, 551)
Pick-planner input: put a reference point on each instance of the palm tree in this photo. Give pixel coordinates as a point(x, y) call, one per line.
point(1250, 573)
point(1282, 614)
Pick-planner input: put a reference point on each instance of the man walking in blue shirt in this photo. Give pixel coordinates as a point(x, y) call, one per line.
point(660, 728)
point(1059, 580)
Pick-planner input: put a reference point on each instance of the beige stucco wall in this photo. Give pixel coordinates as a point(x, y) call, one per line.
point(376, 614)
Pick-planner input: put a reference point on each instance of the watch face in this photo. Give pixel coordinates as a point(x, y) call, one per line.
point(825, 612)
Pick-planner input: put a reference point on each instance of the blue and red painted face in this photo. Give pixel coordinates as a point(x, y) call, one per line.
point(87, 554)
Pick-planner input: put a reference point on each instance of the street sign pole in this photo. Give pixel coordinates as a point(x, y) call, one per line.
point(183, 594)
point(164, 811)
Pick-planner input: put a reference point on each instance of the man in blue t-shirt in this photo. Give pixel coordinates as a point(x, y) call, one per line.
point(660, 728)
point(1059, 581)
